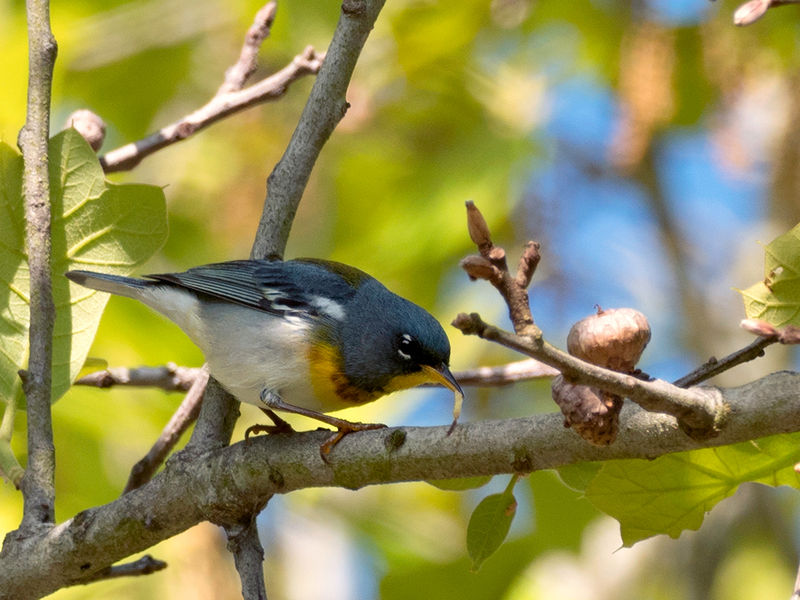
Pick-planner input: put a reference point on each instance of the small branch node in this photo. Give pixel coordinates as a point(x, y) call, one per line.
point(469, 324)
point(143, 566)
point(478, 267)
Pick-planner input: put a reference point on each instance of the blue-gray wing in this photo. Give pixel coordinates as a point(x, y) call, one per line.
point(303, 287)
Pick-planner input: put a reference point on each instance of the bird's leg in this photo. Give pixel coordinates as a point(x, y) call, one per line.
point(343, 427)
point(279, 425)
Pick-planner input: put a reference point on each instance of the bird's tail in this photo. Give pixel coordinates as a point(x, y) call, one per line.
point(113, 284)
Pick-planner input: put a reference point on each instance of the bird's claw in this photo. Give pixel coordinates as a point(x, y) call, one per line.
point(336, 436)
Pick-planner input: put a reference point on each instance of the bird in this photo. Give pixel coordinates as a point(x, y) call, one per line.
point(306, 336)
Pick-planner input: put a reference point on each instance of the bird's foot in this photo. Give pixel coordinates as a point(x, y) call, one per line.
point(279, 426)
point(344, 428)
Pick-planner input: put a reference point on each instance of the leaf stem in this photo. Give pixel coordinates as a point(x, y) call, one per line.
point(511, 484)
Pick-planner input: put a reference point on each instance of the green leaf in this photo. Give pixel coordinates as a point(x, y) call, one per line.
point(578, 476)
point(460, 484)
point(96, 225)
point(672, 493)
point(489, 525)
point(776, 299)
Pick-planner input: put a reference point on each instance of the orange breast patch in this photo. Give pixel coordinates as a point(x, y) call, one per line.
point(331, 386)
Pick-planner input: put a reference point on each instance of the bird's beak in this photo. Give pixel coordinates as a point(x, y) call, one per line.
point(442, 374)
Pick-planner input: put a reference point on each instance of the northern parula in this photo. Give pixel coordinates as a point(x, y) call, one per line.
point(306, 336)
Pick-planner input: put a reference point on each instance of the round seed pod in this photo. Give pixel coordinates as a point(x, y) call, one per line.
point(592, 413)
point(614, 338)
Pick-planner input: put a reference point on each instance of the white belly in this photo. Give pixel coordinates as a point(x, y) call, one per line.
point(247, 350)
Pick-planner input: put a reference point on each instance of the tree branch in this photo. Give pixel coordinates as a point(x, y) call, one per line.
point(714, 367)
point(170, 377)
point(174, 378)
point(38, 482)
point(324, 109)
point(699, 410)
point(225, 485)
point(491, 265)
point(220, 106)
point(186, 414)
point(248, 556)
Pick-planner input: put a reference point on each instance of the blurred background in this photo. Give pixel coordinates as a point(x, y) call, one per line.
point(651, 147)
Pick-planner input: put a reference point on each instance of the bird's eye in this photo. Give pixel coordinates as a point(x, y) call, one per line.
point(406, 345)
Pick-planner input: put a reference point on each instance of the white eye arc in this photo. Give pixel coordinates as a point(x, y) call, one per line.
point(405, 342)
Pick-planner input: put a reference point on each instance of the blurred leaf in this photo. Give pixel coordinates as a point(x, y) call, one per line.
point(460, 484)
point(579, 475)
point(96, 224)
point(451, 580)
point(489, 525)
point(777, 298)
point(672, 493)
point(560, 514)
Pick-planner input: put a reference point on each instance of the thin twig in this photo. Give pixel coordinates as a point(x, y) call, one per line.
point(326, 105)
point(699, 410)
point(38, 482)
point(171, 377)
point(237, 75)
point(174, 378)
point(521, 370)
point(143, 566)
point(186, 414)
point(714, 366)
point(491, 265)
point(220, 106)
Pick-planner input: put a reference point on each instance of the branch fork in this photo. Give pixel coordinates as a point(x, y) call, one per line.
point(492, 266)
point(230, 98)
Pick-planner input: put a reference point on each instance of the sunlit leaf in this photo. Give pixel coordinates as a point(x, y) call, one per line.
point(672, 493)
point(96, 225)
point(776, 299)
point(489, 525)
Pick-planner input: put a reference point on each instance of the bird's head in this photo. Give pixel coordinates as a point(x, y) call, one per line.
point(389, 343)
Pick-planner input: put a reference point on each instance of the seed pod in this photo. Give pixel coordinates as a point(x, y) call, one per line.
point(614, 338)
point(592, 413)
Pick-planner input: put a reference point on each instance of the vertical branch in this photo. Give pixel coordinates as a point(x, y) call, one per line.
point(248, 556)
point(37, 484)
point(326, 106)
